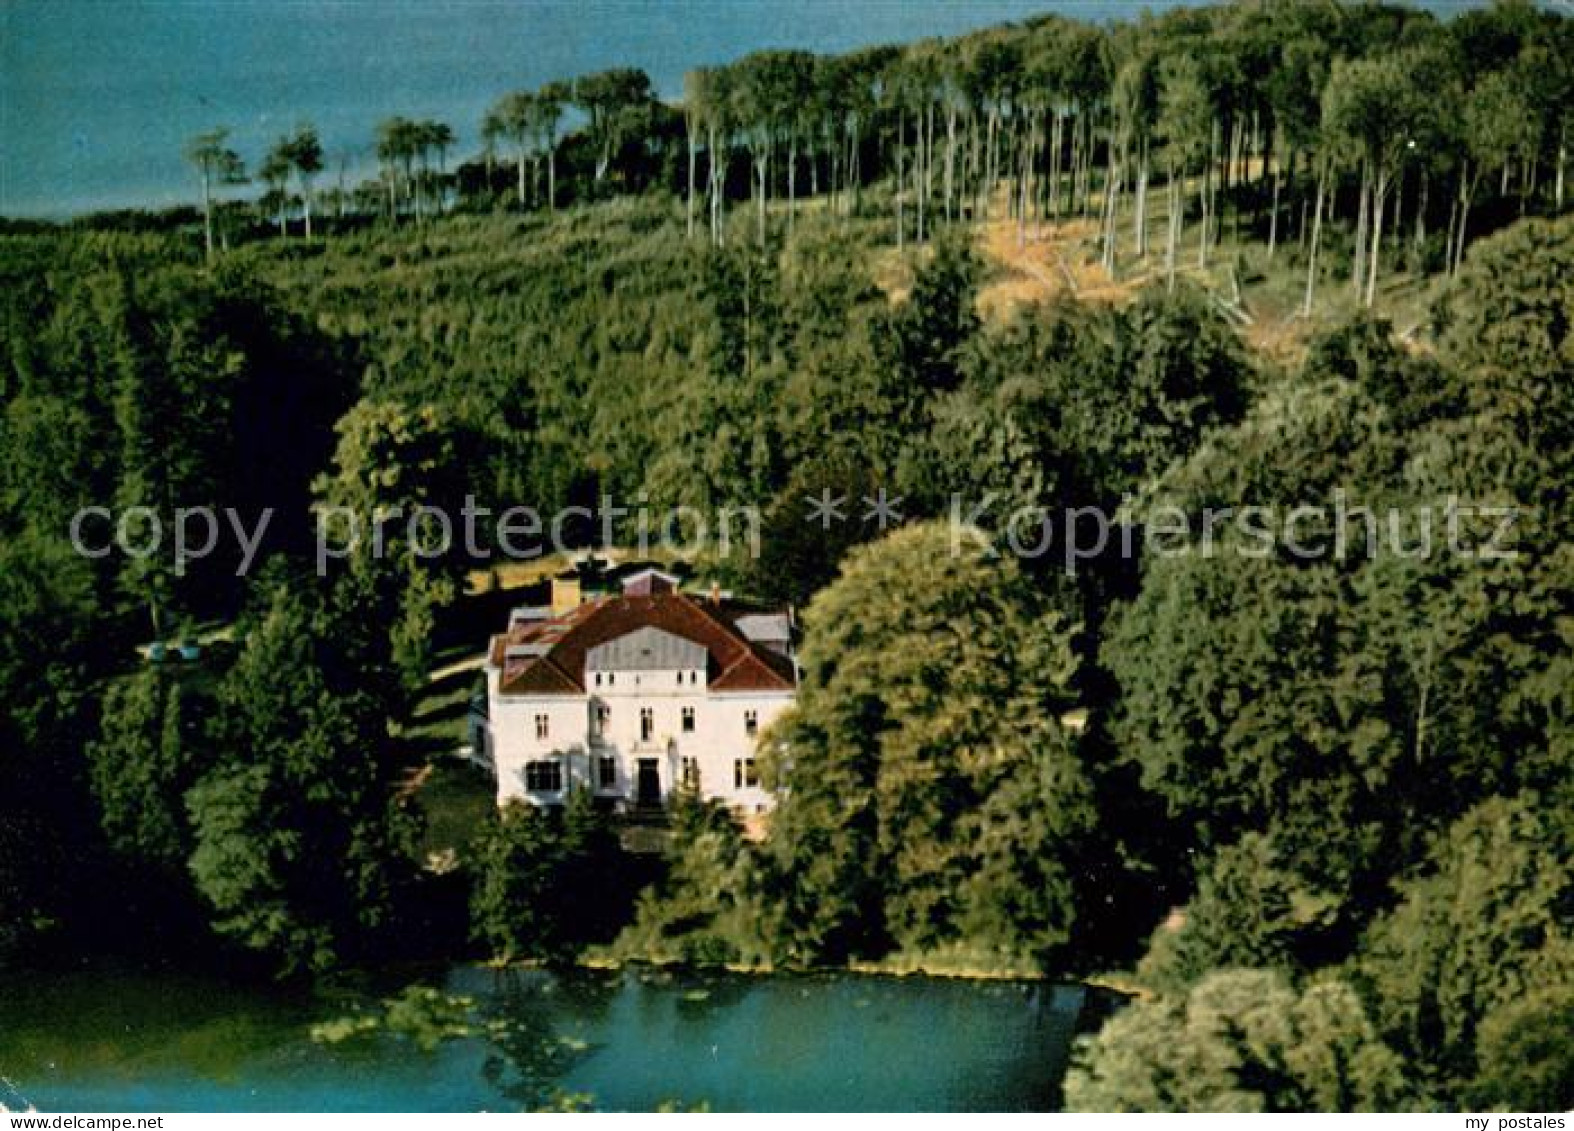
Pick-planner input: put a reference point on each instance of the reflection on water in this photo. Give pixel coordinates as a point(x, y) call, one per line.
point(632, 1040)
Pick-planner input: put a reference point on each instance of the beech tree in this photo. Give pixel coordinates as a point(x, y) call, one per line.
point(929, 795)
point(1482, 928)
point(300, 850)
point(617, 104)
point(275, 173)
point(533, 870)
point(1242, 1040)
point(1184, 116)
point(299, 154)
point(216, 165)
point(1376, 105)
point(305, 154)
point(514, 118)
point(150, 751)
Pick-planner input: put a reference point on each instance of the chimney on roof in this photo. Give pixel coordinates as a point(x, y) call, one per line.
point(565, 592)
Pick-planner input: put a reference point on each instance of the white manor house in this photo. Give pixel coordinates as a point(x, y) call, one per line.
point(635, 692)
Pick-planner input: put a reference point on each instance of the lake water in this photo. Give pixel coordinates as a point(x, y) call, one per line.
point(97, 99)
point(632, 1040)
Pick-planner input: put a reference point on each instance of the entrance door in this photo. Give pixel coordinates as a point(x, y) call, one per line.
point(648, 783)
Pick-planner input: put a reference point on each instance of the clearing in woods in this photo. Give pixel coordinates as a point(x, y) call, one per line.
point(1039, 261)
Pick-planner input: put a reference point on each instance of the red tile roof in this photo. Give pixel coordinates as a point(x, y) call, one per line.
point(558, 668)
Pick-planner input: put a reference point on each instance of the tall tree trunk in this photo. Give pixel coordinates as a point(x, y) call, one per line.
point(1317, 232)
point(714, 185)
point(1563, 152)
point(1399, 207)
point(1237, 158)
point(1380, 184)
point(1466, 190)
point(792, 180)
point(1273, 212)
point(693, 161)
point(949, 176)
point(901, 225)
point(987, 180)
point(1202, 200)
point(1085, 185)
point(1448, 236)
point(718, 180)
point(1114, 173)
point(1418, 241)
point(1140, 222)
point(761, 178)
point(207, 210)
point(1057, 139)
point(833, 153)
point(1362, 226)
point(1073, 164)
point(855, 169)
point(1205, 193)
point(1172, 237)
point(1027, 172)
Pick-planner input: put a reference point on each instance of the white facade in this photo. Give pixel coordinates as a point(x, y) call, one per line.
point(646, 722)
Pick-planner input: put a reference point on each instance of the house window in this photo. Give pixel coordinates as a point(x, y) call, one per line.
point(598, 679)
point(688, 720)
point(543, 728)
point(751, 723)
point(606, 772)
point(600, 720)
point(689, 768)
point(647, 723)
point(544, 776)
point(612, 678)
point(744, 773)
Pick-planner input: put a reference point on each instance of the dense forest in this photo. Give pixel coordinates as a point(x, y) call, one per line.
point(1312, 811)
